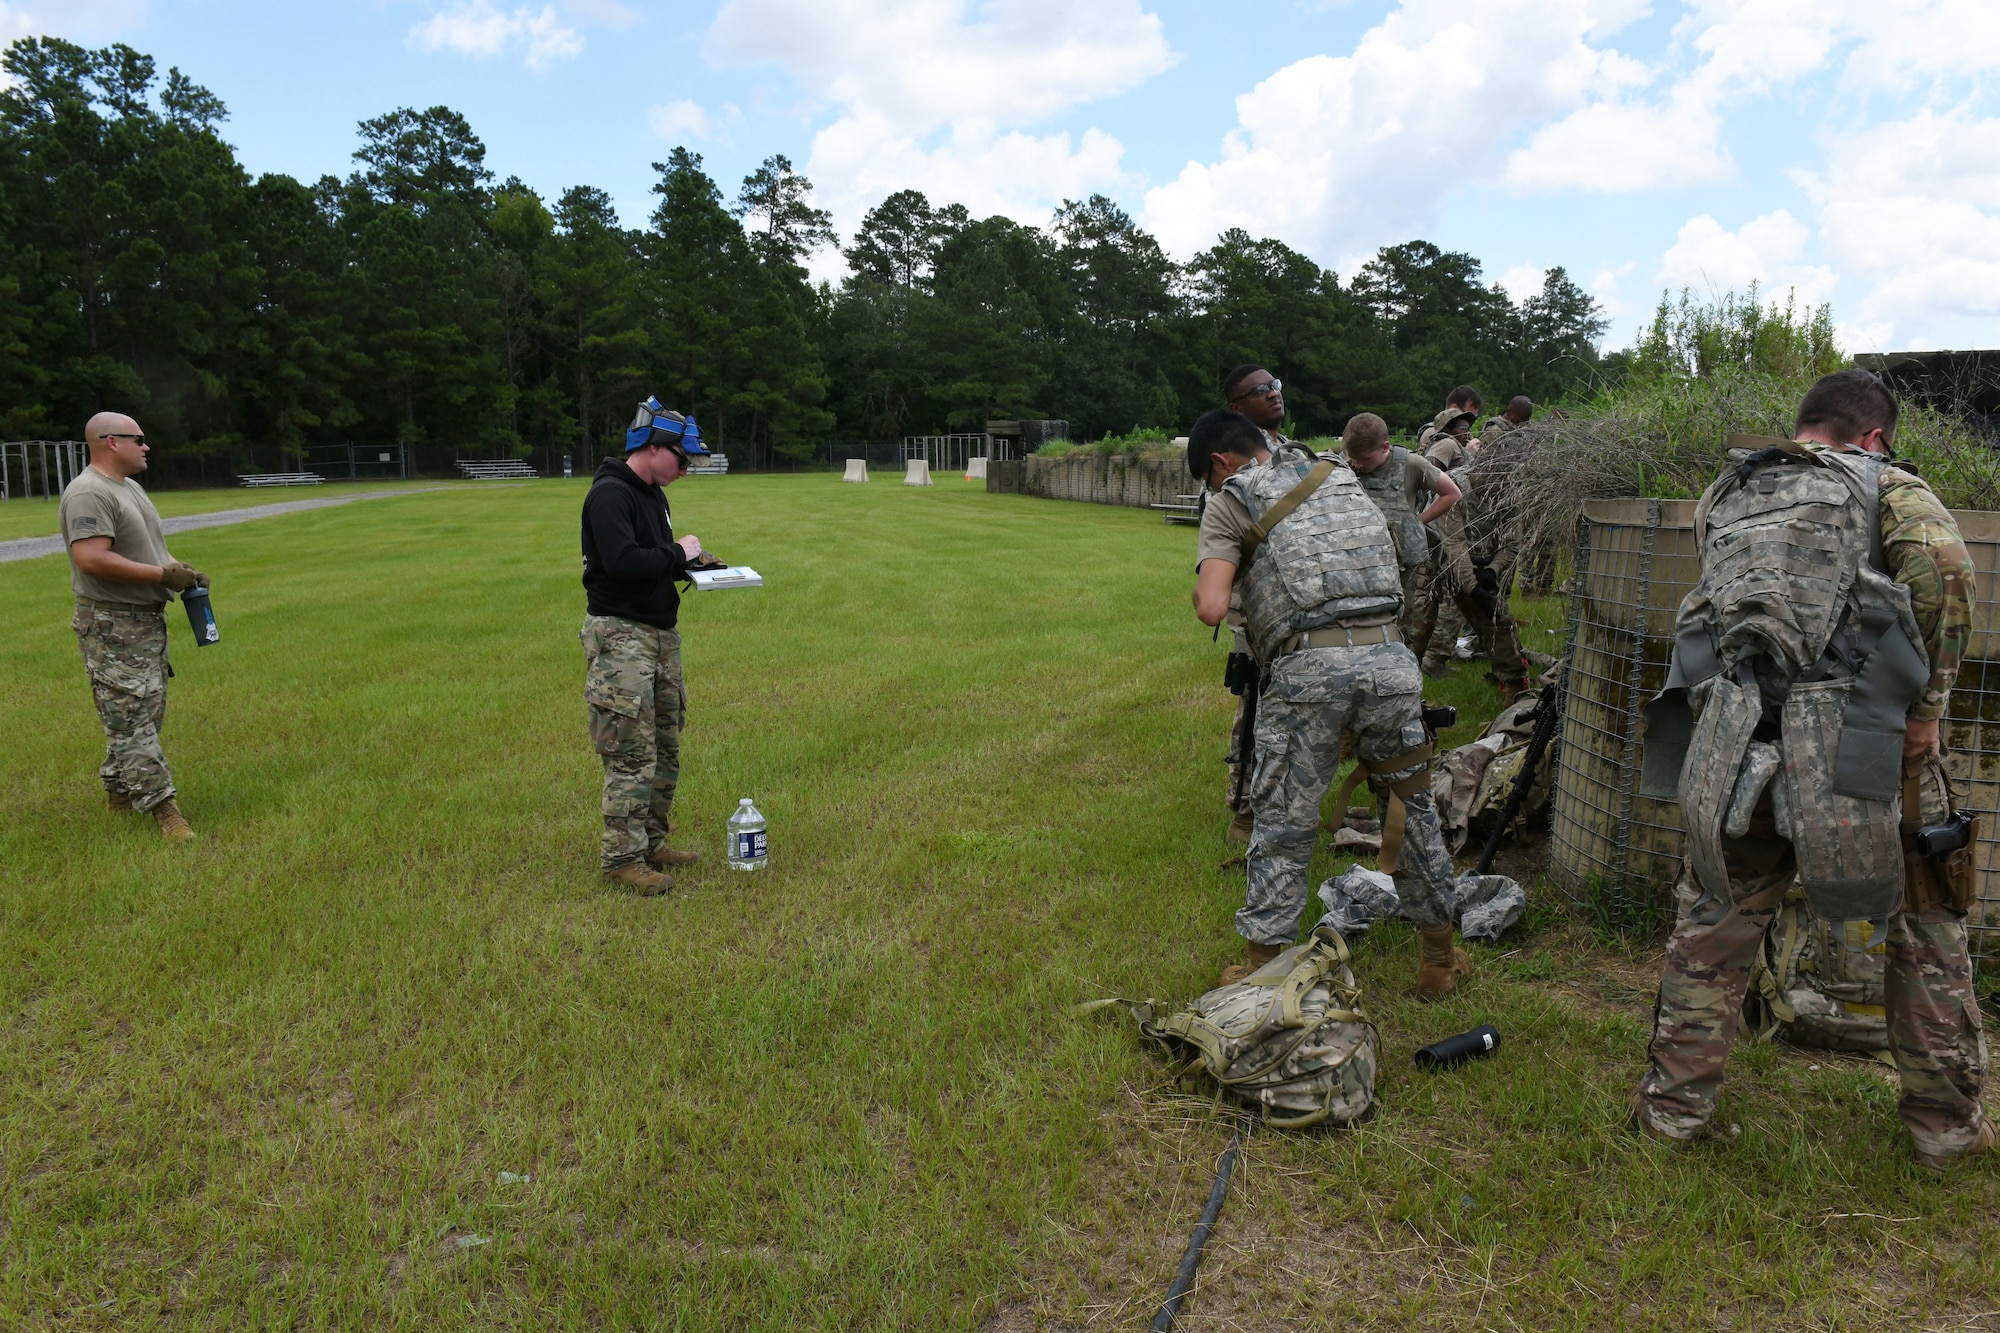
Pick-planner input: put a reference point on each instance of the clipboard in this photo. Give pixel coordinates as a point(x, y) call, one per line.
point(729, 576)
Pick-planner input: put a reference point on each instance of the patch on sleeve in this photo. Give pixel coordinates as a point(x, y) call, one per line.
point(84, 523)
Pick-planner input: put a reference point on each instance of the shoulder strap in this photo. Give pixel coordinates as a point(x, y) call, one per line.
point(1280, 511)
point(1863, 475)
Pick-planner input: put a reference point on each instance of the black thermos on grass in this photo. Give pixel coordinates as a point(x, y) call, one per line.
point(1464, 1046)
point(201, 616)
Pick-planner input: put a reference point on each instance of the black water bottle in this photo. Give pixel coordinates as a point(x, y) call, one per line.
point(201, 616)
point(1441, 1054)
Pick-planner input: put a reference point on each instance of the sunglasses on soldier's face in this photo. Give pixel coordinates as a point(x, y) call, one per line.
point(136, 439)
point(1259, 390)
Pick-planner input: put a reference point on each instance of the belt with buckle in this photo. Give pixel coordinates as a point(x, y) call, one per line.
point(1345, 636)
point(124, 608)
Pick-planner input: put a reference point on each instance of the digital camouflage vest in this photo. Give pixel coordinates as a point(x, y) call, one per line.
point(1795, 636)
point(1389, 487)
point(1330, 559)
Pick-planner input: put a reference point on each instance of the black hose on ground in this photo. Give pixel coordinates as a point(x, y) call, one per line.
point(1170, 1308)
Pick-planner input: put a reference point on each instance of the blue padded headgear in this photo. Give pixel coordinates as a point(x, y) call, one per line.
point(655, 425)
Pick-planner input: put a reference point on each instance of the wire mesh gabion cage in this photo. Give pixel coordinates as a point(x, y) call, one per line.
point(1616, 852)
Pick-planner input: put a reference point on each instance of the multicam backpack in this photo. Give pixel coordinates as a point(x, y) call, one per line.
point(1290, 1041)
point(1815, 985)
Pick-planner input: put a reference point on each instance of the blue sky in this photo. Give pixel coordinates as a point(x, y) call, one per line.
point(1847, 149)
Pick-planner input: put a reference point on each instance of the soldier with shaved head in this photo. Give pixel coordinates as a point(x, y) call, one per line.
point(123, 579)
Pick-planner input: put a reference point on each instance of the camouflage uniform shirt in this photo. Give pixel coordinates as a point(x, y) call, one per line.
point(1926, 554)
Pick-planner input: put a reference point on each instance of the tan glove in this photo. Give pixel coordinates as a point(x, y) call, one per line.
point(179, 577)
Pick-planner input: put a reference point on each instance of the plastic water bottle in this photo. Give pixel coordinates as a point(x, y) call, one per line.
point(748, 849)
point(201, 616)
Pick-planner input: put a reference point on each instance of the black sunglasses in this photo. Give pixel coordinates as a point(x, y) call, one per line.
point(115, 435)
point(1259, 390)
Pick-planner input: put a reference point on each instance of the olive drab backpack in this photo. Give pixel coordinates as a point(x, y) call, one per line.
point(1817, 984)
point(1796, 639)
point(1320, 551)
point(1290, 1041)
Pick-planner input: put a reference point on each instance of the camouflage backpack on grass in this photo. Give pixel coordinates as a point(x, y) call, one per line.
point(1290, 1041)
point(1814, 985)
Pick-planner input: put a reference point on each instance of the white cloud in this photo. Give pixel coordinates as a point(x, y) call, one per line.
point(936, 95)
point(1619, 146)
point(1521, 281)
point(1765, 250)
point(84, 20)
point(921, 62)
point(684, 117)
point(1366, 145)
point(475, 28)
point(1743, 48)
point(1913, 208)
point(1606, 288)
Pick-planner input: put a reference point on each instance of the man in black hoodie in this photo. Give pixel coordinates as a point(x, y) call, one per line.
point(632, 687)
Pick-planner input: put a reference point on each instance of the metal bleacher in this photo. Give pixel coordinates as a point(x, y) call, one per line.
point(1184, 509)
point(511, 469)
point(279, 478)
point(716, 466)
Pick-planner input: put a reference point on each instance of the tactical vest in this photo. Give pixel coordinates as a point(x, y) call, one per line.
point(1388, 487)
point(1795, 635)
point(1330, 559)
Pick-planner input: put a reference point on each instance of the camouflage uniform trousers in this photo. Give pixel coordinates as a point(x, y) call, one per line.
point(633, 691)
point(1420, 607)
point(125, 656)
point(1933, 1014)
point(1237, 804)
point(1315, 697)
point(1495, 631)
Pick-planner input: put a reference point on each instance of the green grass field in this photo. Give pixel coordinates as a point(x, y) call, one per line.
point(272, 1080)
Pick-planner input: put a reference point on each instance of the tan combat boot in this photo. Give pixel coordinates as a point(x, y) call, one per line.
point(663, 856)
point(1241, 827)
point(1939, 1163)
point(645, 882)
point(117, 802)
point(1635, 1111)
point(1441, 965)
point(1259, 955)
point(173, 824)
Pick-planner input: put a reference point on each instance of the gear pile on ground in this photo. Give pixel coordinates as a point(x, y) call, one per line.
point(1487, 904)
point(1470, 784)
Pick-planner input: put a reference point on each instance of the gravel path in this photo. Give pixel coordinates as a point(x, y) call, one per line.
point(28, 548)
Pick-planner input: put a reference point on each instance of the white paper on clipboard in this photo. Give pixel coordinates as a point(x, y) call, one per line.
point(736, 576)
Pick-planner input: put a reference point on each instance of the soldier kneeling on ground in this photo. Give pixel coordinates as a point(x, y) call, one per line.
point(1320, 592)
point(1799, 731)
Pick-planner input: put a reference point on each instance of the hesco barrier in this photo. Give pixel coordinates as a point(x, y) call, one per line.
point(1612, 848)
point(1106, 479)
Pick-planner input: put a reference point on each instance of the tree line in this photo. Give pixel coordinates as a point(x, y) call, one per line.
point(417, 300)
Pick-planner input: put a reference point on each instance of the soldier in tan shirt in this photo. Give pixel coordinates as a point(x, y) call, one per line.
point(123, 578)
